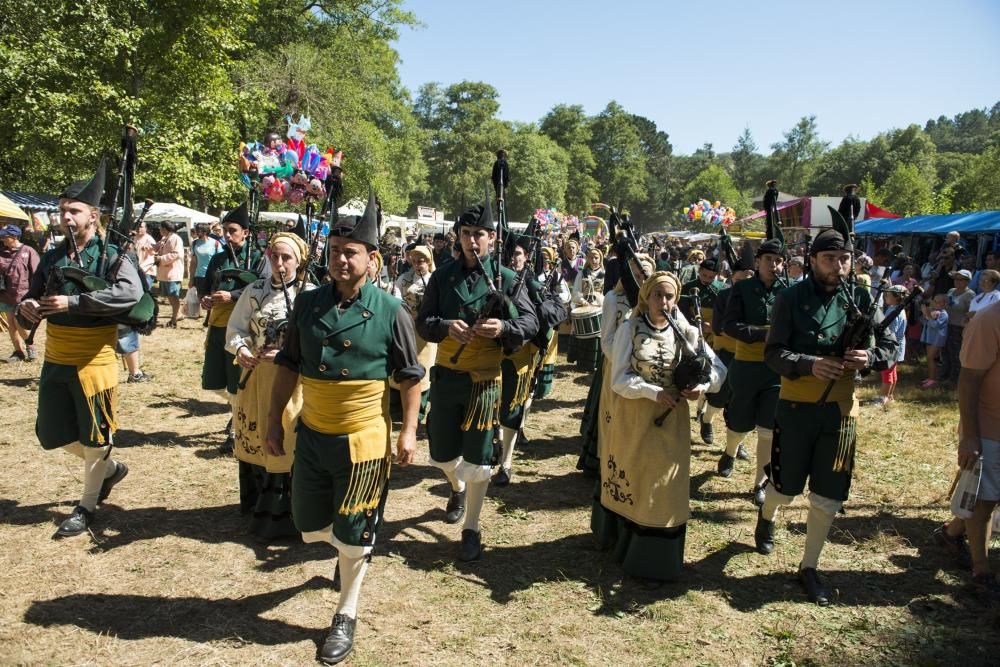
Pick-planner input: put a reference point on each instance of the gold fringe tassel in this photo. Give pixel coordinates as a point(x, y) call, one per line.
point(844, 461)
point(523, 386)
point(364, 490)
point(484, 406)
point(103, 406)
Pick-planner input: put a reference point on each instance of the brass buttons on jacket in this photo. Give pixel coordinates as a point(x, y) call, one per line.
point(347, 342)
point(322, 368)
point(366, 314)
point(344, 372)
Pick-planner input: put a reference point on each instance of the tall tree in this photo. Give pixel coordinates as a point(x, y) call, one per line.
point(539, 173)
point(906, 192)
point(569, 127)
point(747, 162)
point(794, 157)
point(621, 163)
point(660, 188)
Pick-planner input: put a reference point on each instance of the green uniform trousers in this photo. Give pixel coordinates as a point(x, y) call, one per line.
point(63, 410)
point(755, 394)
point(806, 437)
point(451, 394)
point(219, 371)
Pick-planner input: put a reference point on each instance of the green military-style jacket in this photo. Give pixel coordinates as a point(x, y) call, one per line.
point(223, 260)
point(372, 339)
point(707, 295)
point(748, 311)
point(807, 322)
point(449, 297)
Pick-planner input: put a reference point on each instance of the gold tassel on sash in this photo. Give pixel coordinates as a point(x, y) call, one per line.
point(358, 409)
point(524, 362)
point(481, 360)
point(749, 351)
point(809, 389)
point(92, 351)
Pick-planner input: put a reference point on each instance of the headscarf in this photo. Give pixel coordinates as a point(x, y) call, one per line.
point(298, 246)
point(695, 256)
point(424, 252)
point(377, 260)
point(600, 255)
point(550, 254)
point(656, 279)
point(567, 244)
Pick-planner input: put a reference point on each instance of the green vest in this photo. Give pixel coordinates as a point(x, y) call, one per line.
point(349, 345)
point(817, 325)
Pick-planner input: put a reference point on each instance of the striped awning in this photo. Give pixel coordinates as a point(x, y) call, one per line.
point(31, 201)
point(11, 213)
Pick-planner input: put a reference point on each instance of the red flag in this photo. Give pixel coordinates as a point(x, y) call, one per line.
point(873, 211)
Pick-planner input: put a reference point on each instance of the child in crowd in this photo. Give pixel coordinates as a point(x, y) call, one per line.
point(935, 335)
point(893, 299)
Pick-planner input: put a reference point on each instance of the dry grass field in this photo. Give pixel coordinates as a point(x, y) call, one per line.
point(169, 575)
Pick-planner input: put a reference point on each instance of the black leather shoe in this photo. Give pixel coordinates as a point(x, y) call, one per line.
point(814, 588)
point(228, 445)
point(76, 524)
point(726, 463)
point(340, 642)
point(742, 454)
point(502, 478)
point(707, 433)
point(109, 483)
point(472, 547)
point(455, 509)
point(763, 534)
point(758, 494)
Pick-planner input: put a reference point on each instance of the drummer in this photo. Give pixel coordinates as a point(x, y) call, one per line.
point(588, 297)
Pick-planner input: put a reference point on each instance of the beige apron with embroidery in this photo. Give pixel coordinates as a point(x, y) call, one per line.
point(645, 468)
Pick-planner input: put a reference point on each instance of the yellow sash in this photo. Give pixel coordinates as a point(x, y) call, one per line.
point(809, 389)
point(524, 361)
point(481, 360)
point(706, 315)
point(552, 351)
point(360, 410)
point(724, 342)
point(92, 351)
point(749, 351)
point(218, 316)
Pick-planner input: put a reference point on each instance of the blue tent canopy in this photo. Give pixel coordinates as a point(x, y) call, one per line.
point(980, 222)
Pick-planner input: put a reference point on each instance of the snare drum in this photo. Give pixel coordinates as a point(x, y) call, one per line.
point(586, 321)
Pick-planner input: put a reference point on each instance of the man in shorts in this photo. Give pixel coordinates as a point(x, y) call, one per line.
point(979, 432)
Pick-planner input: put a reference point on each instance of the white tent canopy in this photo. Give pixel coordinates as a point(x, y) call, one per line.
point(175, 213)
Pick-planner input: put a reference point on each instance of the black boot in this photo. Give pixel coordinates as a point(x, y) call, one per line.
point(814, 588)
point(472, 547)
point(502, 478)
point(455, 509)
point(109, 483)
point(742, 454)
point(726, 463)
point(707, 433)
point(758, 494)
point(340, 642)
point(763, 534)
point(76, 524)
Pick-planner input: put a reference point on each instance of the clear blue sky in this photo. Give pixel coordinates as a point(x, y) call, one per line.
point(705, 70)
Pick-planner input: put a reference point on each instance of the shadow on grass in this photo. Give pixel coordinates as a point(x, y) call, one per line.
point(191, 618)
point(191, 407)
point(115, 527)
point(129, 438)
point(20, 383)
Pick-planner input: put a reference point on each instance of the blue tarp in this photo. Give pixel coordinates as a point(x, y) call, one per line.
point(981, 222)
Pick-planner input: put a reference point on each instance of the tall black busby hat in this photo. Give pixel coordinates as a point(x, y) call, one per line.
point(89, 191)
point(362, 228)
point(240, 215)
point(478, 215)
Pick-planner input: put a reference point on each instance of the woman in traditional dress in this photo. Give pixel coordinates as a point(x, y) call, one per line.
point(588, 292)
point(645, 483)
point(254, 335)
point(552, 282)
point(375, 276)
point(412, 285)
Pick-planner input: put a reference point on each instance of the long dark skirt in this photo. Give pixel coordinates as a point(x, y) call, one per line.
point(267, 498)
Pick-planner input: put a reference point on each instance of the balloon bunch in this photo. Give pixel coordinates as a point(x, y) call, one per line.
point(289, 171)
point(712, 214)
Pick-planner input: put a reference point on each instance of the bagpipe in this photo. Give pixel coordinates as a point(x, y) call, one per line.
point(861, 325)
point(695, 365)
point(142, 315)
point(496, 305)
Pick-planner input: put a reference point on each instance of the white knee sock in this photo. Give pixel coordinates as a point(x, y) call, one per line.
point(821, 513)
point(321, 535)
point(710, 412)
point(74, 448)
point(352, 573)
point(507, 437)
point(702, 404)
point(733, 440)
point(450, 468)
point(765, 437)
point(474, 504)
point(772, 499)
point(95, 470)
